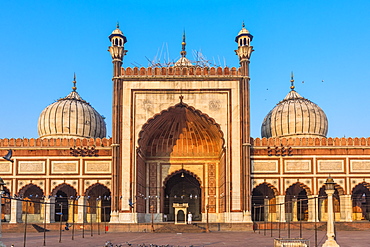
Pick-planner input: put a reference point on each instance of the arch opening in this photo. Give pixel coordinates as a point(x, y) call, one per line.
point(323, 203)
point(64, 195)
point(32, 204)
point(182, 187)
point(361, 202)
point(296, 199)
point(263, 196)
point(98, 203)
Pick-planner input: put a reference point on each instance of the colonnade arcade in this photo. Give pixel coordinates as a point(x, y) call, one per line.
point(31, 203)
point(180, 159)
point(297, 203)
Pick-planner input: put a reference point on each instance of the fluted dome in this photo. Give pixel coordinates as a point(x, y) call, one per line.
point(71, 117)
point(295, 116)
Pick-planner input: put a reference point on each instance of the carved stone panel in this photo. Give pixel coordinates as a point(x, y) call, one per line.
point(360, 166)
point(64, 167)
point(6, 168)
point(264, 166)
point(330, 166)
point(31, 167)
point(297, 166)
point(93, 167)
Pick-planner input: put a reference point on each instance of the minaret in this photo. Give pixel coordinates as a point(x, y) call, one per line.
point(117, 52)
point(244, 52)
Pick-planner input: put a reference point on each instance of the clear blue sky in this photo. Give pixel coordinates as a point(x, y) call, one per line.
point(44, 42)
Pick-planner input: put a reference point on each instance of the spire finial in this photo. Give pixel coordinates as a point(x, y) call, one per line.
point(117, 24)
point(292, 81)
point(183, 52)
point(74, 88)
point(181, 98)
point(243, 25)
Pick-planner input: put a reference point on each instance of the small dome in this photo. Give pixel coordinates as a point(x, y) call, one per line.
point(183, 61)
point(295, 116)
point(71, 117)
point(242, 33)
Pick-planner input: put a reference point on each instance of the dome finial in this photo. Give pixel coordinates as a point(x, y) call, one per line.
point(243, 25)
point(292, 81)
point(183, 52)
point(74, 88)
point(118, 24)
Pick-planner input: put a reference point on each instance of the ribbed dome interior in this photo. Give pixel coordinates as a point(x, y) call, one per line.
point(181, 131)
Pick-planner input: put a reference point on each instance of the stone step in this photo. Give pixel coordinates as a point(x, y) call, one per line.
point(179, 228)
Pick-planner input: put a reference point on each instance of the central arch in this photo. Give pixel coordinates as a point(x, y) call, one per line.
point(180, 141)
point(182, 187)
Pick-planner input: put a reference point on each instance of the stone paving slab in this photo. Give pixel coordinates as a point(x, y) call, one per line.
point(257, 239)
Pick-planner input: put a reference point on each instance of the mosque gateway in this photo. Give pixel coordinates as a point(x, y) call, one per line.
point(181, 143)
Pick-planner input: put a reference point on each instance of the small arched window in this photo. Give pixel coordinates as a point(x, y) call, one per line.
point(245, 41)
point(116, 41)
point(240, 42)
point(120, 42)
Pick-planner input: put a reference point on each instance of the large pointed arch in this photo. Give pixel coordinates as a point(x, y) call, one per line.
point(181, 130)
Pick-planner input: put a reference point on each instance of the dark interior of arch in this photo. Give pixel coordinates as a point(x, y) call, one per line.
point(183, 188)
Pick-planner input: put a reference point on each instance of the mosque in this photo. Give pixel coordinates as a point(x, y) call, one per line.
point(181, 143)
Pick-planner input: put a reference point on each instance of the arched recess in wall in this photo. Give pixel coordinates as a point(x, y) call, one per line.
point(361, 201)
point(32, 195)
point(263, 201)
point(296, 199)
point(323, 202)
point(98, 203)
point(64, 194)
point(177, 137)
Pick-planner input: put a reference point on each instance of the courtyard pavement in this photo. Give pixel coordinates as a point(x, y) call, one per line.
point(257, 239)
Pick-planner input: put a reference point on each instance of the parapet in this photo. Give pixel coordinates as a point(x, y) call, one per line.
point(54, 143)
point(311, 142)
point(181, 71)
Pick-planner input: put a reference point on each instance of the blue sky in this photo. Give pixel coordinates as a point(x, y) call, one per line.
point(325, 43)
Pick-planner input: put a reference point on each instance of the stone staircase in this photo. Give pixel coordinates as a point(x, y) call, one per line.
point(181, 228)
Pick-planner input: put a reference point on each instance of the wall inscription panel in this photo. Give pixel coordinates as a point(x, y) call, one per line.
point(264, 166)
point(330, 166)
point(92, 167)
point(360, 166)
point(297, 166)
point(64, 167)
point(31, 167)
point(5, 167)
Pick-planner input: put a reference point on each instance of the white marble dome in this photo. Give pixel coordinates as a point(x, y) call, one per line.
point(295, 116)
point(71, 117)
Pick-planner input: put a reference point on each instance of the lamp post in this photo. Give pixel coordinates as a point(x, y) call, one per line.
point(207, 222)
point(329, 189)
point(60, 222)
point(1, 201)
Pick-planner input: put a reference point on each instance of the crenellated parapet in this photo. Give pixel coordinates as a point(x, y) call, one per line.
point(181, 71)
point(311, 142)
point(54, 143)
